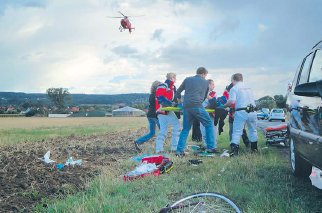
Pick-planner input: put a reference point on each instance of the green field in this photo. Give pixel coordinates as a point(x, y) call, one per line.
point(257, 182)
point(15, 130)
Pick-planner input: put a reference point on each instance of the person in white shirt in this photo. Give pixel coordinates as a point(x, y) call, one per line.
point(242, 95)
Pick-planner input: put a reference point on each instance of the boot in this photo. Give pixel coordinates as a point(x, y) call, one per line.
point(253, 146)
point(233, 150)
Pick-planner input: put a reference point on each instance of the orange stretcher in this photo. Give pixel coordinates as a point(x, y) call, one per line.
point(276, 134)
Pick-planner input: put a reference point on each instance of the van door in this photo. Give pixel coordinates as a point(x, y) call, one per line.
point(312, 112)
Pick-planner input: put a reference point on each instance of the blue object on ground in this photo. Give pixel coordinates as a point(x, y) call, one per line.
point(60, 166)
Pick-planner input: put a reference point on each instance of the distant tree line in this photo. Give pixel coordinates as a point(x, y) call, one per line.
point(14, 98)
point(59, 100)
point(278, 101)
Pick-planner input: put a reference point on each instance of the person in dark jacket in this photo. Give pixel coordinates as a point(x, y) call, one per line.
point(152, 117)
point(196, 90)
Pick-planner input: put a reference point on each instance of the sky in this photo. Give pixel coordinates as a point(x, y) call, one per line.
point(74, 45)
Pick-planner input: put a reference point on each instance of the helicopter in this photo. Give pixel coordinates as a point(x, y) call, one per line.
point(125, 22)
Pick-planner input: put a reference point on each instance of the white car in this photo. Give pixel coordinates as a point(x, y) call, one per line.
point(276, 114)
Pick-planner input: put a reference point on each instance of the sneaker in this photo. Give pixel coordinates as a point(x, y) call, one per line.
point(234, 150)
point(137, 146)
point(182, 154)
point(212, 150)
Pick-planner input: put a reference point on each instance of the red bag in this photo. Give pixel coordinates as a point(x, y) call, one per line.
point(157, 159)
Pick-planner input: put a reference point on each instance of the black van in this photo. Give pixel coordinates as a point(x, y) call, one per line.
point(305, 114)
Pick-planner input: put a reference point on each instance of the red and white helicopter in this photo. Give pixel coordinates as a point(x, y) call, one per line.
point(125, 22)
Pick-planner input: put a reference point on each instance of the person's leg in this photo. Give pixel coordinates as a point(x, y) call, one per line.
point(196, 133)
point(245, 137)
point(215, 130)
point(186, 126)
point(150, 134)
point(163, 120)
point(203, 133)
point(204, 118)
point(157, 122)
point(230, 130)
point(231, 121)
point(252, 131)
point(238, 126)
point(174, 121)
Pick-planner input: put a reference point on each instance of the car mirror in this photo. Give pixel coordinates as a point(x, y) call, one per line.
point(309, 89)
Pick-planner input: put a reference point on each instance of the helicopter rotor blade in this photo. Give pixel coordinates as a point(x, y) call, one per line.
point(136, 16)
point(113, 17)
point(122, 14)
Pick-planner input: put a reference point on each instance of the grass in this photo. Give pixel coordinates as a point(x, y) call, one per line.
point(15, 130)
point(258, 183)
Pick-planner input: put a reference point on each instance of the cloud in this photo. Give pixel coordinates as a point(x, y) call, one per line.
point(72, 44)
point(227, 25)
point(21, 3)
point(124, 50)
point(262, 27)
point(157, 35)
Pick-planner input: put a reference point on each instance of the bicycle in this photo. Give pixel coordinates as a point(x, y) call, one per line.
point(203, 202)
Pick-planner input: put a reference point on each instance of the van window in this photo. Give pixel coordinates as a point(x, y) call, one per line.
point(316, 71)
point(305, 70)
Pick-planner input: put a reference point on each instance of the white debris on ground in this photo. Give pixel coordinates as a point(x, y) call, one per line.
point(46, 158)
point(316, 177)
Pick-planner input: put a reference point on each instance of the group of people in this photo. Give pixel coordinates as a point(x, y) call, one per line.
point(199, 94)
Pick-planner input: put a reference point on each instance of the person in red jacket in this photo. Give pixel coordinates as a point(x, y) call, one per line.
point(165, 97)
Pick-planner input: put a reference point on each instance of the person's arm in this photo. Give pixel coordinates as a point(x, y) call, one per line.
point(206, 94)
point(232, 98)
point(229, 103)
point(179, 91)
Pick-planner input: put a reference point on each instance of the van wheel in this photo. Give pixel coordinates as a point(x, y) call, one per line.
point(283, 120)
point(300, 167)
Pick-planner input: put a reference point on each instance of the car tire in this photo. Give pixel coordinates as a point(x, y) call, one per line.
point(300, 167)
point(283, 120)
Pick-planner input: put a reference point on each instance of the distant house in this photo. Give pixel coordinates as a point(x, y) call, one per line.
point(10, 109)
point(127, 112)
point(74, 109)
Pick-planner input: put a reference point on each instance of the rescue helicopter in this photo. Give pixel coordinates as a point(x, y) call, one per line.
point(125, 22)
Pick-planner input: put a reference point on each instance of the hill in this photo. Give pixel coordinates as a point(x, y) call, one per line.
point(17, 98)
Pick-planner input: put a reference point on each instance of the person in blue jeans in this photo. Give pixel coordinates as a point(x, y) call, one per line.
point(151, 116)
point(196, 90)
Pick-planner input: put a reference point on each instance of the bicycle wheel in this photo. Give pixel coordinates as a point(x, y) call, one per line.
point(203, 202)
